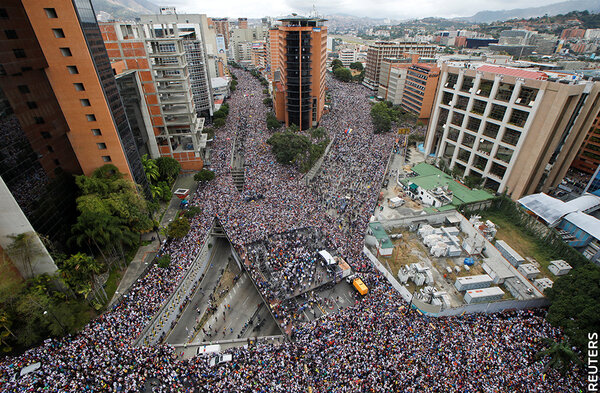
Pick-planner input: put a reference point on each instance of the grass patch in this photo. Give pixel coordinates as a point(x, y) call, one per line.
point(525, 244)
point(112, 283)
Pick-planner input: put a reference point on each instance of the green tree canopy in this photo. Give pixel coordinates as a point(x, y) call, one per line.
point(151, 169)
point(575, 305)
point(272, 122)
point(382, 120)
point(204, 175)
point(286, 146)
point(357, 66)
point(336, 63)
point(178, 228)
point(343, 74)
point(169, 168)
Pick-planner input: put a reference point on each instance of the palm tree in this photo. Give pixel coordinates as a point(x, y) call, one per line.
point(561, 355)
point(151, 169)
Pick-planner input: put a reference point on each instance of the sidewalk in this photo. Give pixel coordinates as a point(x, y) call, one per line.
point(145, 254)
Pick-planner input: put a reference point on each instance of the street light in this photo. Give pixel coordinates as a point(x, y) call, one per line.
point(56, 319)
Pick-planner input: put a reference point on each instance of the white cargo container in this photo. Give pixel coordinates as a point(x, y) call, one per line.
point(559, 267)
point(507, 252)
point(529, 270)
point(473, 282)
point(483, 295)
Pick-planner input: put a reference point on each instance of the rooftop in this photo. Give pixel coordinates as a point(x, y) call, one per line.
point(516, 72)
point(551, 210)
point(381, 235)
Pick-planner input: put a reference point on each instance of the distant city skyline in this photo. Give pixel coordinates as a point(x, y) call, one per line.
point(374, 9)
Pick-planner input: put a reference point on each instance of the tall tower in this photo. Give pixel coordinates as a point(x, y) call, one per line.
point(298, 54)
point(54, 59)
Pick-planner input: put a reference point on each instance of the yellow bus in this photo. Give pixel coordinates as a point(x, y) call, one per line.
point(360, 286)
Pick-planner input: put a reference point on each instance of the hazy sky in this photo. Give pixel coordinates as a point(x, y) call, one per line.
point(394, 9)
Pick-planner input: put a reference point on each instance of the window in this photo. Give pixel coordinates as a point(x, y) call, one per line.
point(79, 86)
point(46, 135)
point(480, 162)
point(453, 134)
point(106, 159)
point(3, 13)
point(485, 147)
point(447, 98)
point(527, 96)
point(58, 33)
point(451, 81)
point(497, 170)
point(101, 146)
point(468, 140)
point(463, 155)
point(96, 131)
point(518, 117)
point(32, 104)
point(462, 102)
point(90, 117)
point(85, 102)
point(19, 53)
point(497, 112)
point(50, 149)
point(504, 154)
point(511, 136)
point(73, 70)
point(457, 118)
point(478, 107)
point(485, 87)
point(66, 52)
point(473, 124)
point(504, 92)
point(39, 120)
point(51, 13)
point(467, 84)
point(24, 89)
point(491, 130)
point(10, 34)
point(23, 69)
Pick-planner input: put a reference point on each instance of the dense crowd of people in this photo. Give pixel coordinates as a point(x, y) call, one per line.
point(377, 345)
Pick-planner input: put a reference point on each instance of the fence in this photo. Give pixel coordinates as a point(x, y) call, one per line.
point(168, 311)
point(313, 171)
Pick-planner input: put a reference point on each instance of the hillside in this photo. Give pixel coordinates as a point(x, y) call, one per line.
point(125, 8)
point(525, 13)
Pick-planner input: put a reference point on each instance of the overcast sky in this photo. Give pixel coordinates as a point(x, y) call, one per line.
point(394, 9)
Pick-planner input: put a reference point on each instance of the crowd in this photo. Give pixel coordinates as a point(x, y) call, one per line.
point(377, 345)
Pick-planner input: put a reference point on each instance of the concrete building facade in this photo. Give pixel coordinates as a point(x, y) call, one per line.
point(382, 49)
point(518, 130)
point(420, 88)
point(588, 157)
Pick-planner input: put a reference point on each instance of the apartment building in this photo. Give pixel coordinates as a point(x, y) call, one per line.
point(419, 90)
point(347, 57)
point(222, 28)
point(298, 54)
point(517, 130)
point(392, 79)
point(390, 49)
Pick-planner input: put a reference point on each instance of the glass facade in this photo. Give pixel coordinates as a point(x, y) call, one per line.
point(91, 32)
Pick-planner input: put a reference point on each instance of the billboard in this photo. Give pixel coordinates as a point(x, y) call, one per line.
point(220, 44)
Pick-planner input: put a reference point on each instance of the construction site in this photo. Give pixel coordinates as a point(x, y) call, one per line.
point(445, 261)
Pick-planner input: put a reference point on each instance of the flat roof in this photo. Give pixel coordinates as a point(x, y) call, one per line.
point(477, 278)
point(485, 292)
point(516, 72)
point(551, 209)
point(381, 235)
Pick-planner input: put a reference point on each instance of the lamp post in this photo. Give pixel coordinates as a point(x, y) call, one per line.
point(56, 319)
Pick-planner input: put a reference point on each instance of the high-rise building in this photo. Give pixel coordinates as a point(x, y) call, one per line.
point(61, 115)
point(222, 28)
point(517, 130)
point(588, 158)
point(382, 49)
point(419, 90)
point(69, 61)
point(168, 52)
point(347, 57)
point(298, 54)
point(242, 23)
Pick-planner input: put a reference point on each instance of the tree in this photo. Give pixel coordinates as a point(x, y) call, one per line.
point(79, 271)
point(272, 122)
point(357, 65)
point(24, 249)
point(382, 121)
point(178, 228)
point(218, 123)
point(336, 63)
point(169, 168)
point(343, 74)
point(151, 169)
point(268, 101)
point(575, 306)
point(204, 175)
point(286, 146)
point(561, 356)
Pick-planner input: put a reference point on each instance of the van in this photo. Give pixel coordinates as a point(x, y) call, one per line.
point(360, 286)
point(395, 202)
point(220, 359)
